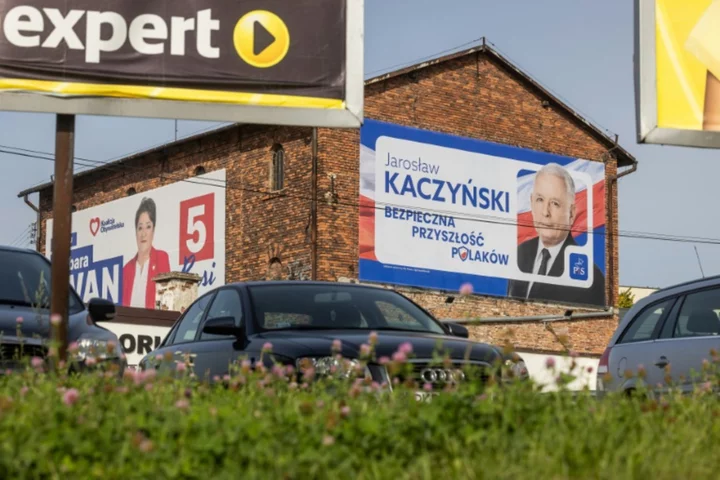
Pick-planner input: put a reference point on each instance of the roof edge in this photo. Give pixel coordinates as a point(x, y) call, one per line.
point(625, 158)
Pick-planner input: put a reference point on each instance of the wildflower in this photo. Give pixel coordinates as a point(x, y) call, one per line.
point(466, 289)
point(345, 411)
point(309, 373)
point(328, 440)
point(122, 389)
point(182, 404)
point(399, 357)
point(289, 370)
point(37, 362)
point(278, 370)
point(267, 347)
point(24, 390)
point(180, 367)
point(320, 404)
point(573, 354)
point(364, 349)
point(146, 446)
point(384, 360)
point(73, 347)
point(90, 361)
point(427, 387)
point(550, 363)
point(405, 348)
point(373, 338)
point(336, 346)
point(148, 386)
point(70, 396)
point(245, 366)
point(19, 320)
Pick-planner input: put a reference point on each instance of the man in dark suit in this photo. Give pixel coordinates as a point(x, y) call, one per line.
point(553, 210)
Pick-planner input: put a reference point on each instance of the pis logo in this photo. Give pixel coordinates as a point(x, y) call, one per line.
point(578, 266)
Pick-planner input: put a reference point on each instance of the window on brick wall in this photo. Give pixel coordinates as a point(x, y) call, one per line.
point(200, 170)
point(131, 191)
point(277, 168)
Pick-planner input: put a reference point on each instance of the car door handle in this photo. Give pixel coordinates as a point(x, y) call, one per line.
point(662, 362)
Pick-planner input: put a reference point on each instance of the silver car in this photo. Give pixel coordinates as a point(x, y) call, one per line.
point(666, 336)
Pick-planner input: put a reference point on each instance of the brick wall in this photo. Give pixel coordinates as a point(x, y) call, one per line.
point(268, 234)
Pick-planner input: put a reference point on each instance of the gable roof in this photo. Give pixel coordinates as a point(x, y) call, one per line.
point(624, 158)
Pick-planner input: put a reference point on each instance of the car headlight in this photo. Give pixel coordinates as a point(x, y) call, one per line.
point(99, 349)
point(334, 366)
point(515, 369)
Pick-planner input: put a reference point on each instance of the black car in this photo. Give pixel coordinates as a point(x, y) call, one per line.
point(302, 320)
point(25, 317)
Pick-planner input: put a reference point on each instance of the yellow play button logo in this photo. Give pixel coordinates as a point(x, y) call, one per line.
point(261, 38)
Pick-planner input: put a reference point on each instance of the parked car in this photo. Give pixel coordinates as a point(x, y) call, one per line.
point(25, 294)
point(676, 327)
point(301, 319)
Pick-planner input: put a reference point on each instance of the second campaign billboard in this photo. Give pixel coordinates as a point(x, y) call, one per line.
point(118, 247)
point(438, 211)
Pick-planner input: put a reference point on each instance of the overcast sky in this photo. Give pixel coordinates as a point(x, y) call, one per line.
point(582, 50)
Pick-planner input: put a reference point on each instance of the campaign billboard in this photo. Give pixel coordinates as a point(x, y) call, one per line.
point(677, 72)
point(256, 61)
point(117, 248)
point(438, 211)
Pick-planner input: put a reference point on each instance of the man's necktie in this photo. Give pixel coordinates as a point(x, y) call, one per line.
point(543, 264)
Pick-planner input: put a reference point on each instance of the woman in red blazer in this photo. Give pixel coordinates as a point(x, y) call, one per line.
point(138, 287)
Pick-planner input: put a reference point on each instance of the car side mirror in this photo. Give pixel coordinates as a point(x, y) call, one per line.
point(101, 310)
point(222, 326)
point(457, 330)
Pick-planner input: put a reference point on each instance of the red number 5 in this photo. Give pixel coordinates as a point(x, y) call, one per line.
point(197, 228)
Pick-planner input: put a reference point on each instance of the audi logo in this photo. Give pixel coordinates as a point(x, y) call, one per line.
point(442, 375)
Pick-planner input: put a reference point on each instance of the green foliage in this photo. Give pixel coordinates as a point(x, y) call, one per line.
point(626, 299)
point(277, 423)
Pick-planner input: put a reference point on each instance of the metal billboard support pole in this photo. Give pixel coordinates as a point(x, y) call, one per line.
point(62, 227)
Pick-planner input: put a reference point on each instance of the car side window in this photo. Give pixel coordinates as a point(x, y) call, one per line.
point(642, 327)
point(698, 316)
point(226, 304)
point(191, 321)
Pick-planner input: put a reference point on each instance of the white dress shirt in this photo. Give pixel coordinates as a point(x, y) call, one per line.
point(139, 285)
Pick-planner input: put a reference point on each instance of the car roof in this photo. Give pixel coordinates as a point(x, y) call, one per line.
point(277, 283)
point(659, 296)
point(9, 248)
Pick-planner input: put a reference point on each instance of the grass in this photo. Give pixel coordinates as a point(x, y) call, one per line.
point(274, 423)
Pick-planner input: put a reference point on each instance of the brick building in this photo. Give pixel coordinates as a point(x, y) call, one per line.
point(275, 230)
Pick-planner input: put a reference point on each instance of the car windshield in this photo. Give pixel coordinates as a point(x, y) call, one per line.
point(25, 281)
point(283, 306)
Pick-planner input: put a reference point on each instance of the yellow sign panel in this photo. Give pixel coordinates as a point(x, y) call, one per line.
point(679, 72)
point(687, 42)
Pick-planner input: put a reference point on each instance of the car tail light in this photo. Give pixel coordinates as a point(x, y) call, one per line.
point(604, 362)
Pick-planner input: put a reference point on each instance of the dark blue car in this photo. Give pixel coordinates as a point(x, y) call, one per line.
point(24, 310)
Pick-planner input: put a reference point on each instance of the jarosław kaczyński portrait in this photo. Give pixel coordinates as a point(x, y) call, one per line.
point(552, 202)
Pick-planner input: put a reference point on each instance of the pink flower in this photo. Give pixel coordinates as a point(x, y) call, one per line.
point(73, 347)
point(336, 345)
point(466, 289)
point(37, 362)
point(24, 390)
point(182, 404)
point(328, 440)
point(180, 367)
point(550, 362)
point(309, 374)
point(70, 396)
point(246, 365)
point(320, 404)
point(267, 347)
point(364, 349)
point(384, 360)
point(90, 361)
point(399, 357)
point(373, 338)
point(19, 320)
point(278, 370)
point(289, 370)
point(427, 387)
point(573, 354)
point(122, 389)
point(55, 319)
point(405, 348)
point(159, 357)
point(345, 411)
